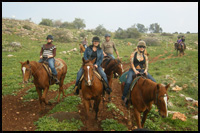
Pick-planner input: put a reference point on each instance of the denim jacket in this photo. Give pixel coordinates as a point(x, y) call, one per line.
point(88, 53)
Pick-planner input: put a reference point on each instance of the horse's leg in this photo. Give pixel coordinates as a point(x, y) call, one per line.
point(61, 89)
point(103, 97)
point(129, 117)
point(144, 117)
point(137, 118)
point(110, 84)
point(44, 96)
point(39, 91)
point(87, 106)
point(96, 105)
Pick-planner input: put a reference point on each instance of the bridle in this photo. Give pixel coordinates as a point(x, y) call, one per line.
point(156, 100)
point(86, 82)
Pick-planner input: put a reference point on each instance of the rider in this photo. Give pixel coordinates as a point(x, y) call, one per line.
point(91, 52)
point(48, 52)
point(139, 63)
point(84, 42)
point(108, 46)
point(179, 41)
point(183, 40)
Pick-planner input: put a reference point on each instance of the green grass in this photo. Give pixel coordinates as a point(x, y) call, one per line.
point(111, 124)
point(50, 124)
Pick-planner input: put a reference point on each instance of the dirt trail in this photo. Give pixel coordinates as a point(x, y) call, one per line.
point(19, 115)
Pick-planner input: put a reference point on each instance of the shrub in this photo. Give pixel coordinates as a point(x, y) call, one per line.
point(27, 27)
point(62, 35)
point(166, 34)
point(151, 41)
point(83, 34)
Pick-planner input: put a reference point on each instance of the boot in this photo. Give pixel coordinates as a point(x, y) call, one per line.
point(76, 90)
point(125, 102)
point(56, 79)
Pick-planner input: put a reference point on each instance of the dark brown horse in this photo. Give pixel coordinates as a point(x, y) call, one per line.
point(41, 78)
point(91, 86)
point(144, 94)
point(179, 48)
point(82, 49)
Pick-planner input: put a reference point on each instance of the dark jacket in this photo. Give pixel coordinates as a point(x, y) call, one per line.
point(88, 53)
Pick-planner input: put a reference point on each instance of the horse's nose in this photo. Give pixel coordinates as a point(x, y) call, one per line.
point(89, 83)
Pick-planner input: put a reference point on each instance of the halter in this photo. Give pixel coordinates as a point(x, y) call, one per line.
point(89, 64)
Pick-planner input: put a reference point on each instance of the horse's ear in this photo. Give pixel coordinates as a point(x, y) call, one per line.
point(27, 61)
point(167, 86)
point(158, 86)
point(21, 62)
point(83, 59)
point(93, 60)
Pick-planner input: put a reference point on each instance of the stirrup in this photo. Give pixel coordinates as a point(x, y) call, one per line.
point(76, 90)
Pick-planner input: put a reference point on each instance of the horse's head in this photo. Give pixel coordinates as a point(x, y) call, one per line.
point(88, 69)
point(26, 71)
point(118, 68)
point(161, 99)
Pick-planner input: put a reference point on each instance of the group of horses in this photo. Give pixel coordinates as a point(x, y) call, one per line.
point(144, 94)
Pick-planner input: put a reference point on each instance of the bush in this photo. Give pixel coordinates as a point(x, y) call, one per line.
point(151, 35)
point(83, 34)
point(111, 124)
point(62, 35)
point(27, 27)
point(151, 41)
point(47, 22)
point(166, 34)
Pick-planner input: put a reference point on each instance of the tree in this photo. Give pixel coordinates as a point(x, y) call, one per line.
point(155, 28)
point(141, 28)
point(79, 23)
point(67, 25)
point(187, 32)
point(46, 21)
point(57, 23)
point(133, 32)
point(100, 31)
point(120, 33)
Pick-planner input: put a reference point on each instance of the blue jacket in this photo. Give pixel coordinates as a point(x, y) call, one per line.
point(88, 53)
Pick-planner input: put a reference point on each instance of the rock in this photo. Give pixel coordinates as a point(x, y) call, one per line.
point(181, 95)
point(167, 76)
point(195, 117)
point(190, 107)
point(64, 52)
point(15, 44)
point(10, 55)
point(189, 99)
point(177, 88)
point(170, 104)
point(171, 112)
point(17, 112)
point(21, 98)
point(180, 116)
point(185, 86)
point(195, 103)
point(75, 49)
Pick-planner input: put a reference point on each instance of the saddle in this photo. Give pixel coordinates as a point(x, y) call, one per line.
point(58, 65)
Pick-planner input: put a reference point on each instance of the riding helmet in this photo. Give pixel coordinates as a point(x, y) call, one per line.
point(50, 37)
point(95, 39)
point(107, 35)
point(141, 43)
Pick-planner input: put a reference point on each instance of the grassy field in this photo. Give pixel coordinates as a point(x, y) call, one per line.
point(184, 70)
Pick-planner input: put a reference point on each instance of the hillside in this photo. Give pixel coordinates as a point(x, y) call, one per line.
point(20, 105)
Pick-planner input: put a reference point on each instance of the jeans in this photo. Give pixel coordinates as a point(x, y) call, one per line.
point(100, 70)
point(111, 56)
point(51, 62)
point(130, 78)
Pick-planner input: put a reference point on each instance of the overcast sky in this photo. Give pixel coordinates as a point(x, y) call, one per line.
point(171, 16)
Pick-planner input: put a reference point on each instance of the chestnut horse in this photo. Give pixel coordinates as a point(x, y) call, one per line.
point(41, 78)
point(82, 48)
point(112, 67)
point(91, 86)
point(179, 48)
point(144, 94)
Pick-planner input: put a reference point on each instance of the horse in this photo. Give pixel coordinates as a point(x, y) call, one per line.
point(91, 86)
point(179, 48)
point(41, 78)
point(112, 66)
point(82, 48)
point(143, 95)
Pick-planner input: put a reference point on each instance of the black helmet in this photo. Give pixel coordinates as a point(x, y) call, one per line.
point(95, 39)
point(50, 37)
point(107, 34)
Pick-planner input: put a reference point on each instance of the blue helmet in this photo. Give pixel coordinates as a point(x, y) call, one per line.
point(107, 34)
point(50, 37)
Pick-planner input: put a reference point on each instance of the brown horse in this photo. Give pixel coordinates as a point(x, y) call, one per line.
point(82, 48)
point(112, 66)
point(41, 78)
point(144, 94)
point(91, 86)
point(179, 48)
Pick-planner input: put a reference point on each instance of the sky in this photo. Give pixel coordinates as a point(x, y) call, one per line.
point(171, 16)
